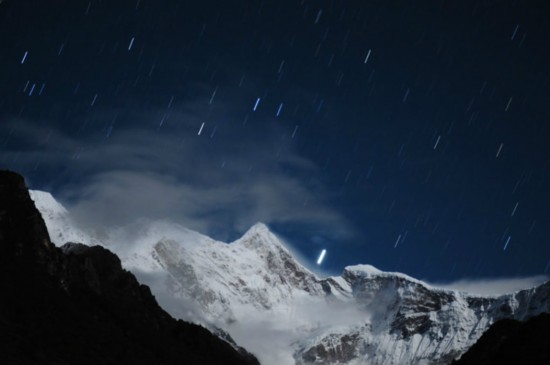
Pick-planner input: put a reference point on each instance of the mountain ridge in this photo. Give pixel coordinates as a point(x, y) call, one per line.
point(364, 315)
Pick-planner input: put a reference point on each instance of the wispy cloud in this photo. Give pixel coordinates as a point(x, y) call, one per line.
point(219, 182)
point(495, 286)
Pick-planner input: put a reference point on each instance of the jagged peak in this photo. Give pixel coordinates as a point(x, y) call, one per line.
point(259, 235)
point(258, 229)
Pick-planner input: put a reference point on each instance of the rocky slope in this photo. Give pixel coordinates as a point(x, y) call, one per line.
point(75, 304)
point(259, 293)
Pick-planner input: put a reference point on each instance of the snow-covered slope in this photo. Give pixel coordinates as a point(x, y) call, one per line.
point(258, 292)
point(229, 281)
point(61, 226)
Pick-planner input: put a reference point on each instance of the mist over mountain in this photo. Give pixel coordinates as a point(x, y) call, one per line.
point(260, 294)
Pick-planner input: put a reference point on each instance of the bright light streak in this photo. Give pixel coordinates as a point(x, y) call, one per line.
point(500, 149)
point(256, 105)
point(200, 130)
point(437, 142)
point(368, 55)
point(321, 257)
point(507, 242)
point(279, 110)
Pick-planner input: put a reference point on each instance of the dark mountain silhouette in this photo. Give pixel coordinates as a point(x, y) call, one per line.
point(512, 342)
point(76, 305)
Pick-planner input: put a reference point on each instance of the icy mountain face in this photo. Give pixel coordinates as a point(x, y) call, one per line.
point(409, 322)
point(406, 322)
point(253, 274)
point(364, 316)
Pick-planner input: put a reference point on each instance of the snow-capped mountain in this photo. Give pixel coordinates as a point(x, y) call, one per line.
point(262, 296)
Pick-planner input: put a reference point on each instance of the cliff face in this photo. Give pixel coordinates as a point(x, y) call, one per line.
point(75, 304)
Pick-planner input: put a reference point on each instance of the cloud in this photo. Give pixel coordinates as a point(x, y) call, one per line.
point(129, 167)
point(494, 287)
point(274, 338)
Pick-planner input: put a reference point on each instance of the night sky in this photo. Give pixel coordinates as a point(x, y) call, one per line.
point(410, 135)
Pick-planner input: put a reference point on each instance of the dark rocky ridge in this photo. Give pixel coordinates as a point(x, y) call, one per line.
point(77, 304)
point(512, 342)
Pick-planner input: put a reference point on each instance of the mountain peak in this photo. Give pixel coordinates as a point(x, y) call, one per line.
point(260, 235)
point(258, 228)
point(260, 239)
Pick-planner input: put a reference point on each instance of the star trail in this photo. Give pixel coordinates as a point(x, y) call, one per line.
point(412, 136)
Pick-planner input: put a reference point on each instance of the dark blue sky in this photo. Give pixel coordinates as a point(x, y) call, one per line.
point(413, 136)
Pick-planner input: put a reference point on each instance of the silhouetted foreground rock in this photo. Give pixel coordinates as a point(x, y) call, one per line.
point(76, 305)
point(512, 342)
